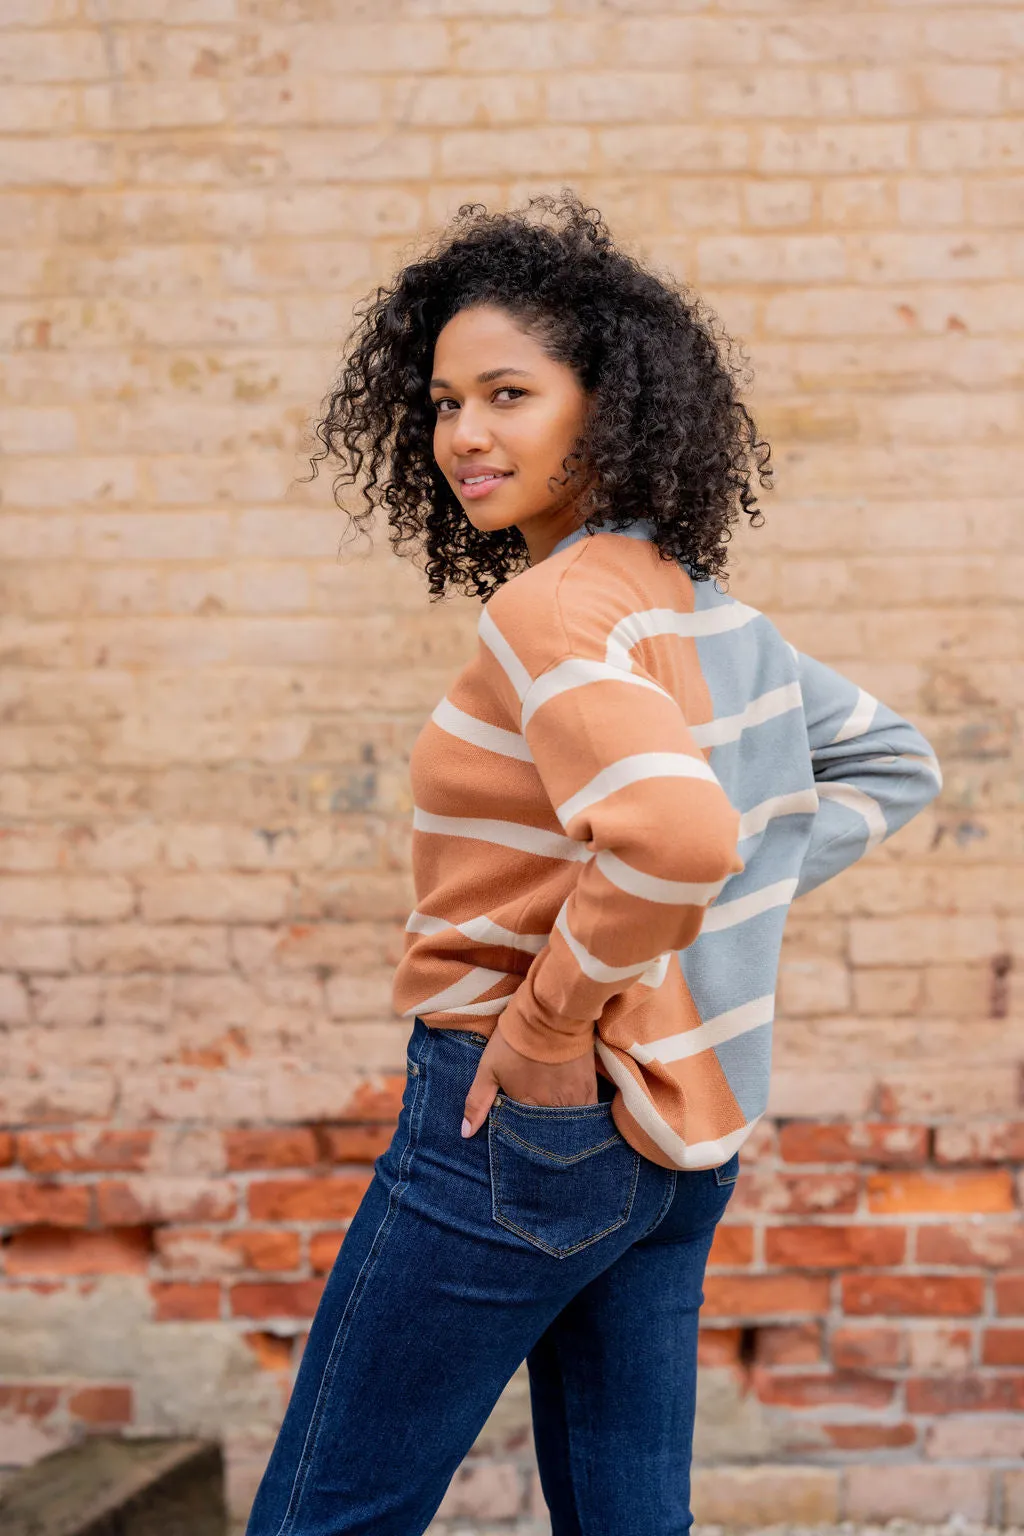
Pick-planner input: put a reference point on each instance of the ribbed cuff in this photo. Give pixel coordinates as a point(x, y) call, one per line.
point(543, 1042)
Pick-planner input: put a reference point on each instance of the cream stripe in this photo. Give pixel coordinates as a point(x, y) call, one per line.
point(577, 672)
point(503, 654)
point(855, 799)
point(757, 818)
point(507, 834)
point(728, 913)
point(648, 622)
point(481, 1010)
point(590, 965)
point(463, 992)
point(630, 770)
point(656, 972)
point(672, 893)
point(702, 1154)
point(724, 1026)
point(419, 922)
point(767, 706)
point(482, 929)
point(493, 738)
point(858, 720)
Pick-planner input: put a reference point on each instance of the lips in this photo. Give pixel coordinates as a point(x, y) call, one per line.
point(481, 472)
point(482, 481)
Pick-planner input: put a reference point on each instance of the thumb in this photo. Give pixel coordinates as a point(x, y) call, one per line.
point(479, 1100)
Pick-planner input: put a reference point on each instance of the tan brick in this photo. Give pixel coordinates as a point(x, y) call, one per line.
point(751, 1496)
point(886, 1493)
point(1013, 1496)
point(977, 1437)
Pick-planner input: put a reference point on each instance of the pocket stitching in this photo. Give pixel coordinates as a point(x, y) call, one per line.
point(555, 1157)
point(531, 1238)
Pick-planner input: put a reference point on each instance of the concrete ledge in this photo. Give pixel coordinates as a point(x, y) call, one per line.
point(107, 1486)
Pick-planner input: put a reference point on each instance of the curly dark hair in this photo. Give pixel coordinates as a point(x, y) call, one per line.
point(668, 438)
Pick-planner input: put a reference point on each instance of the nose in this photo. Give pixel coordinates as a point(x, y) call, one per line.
point(470, 433)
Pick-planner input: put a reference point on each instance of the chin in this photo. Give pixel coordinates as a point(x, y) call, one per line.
point(485, 520)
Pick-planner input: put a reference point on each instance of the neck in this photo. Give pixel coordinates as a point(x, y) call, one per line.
point(542, 536)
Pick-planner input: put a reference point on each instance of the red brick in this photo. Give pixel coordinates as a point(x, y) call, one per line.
point(122, 1204)
point(323, 1250)
point(835, 1247)
point(755, 1296)
point(897, 1194)
point(102, 1407)
point(985, 1141)
point(175, 1301)
point(291, 1147)
point(25, 1204)
point(292, 1298)
point(57, 1251)
point(327, 1199)
point(198, 1248)
point(991, 1244)
point(871, 1437)
point(766, 1191)
point(84, 1151)
point(803, 1390)
point(796, 1344)
point(28, 1400)
point(273, 1351)
point(354, 1143)
point(1003, 1346)
point(718, 1346)
point(1010, 1296)
point(888, 1145)
point(913, 1295)
point(965, 1394)
point(375, 1100)
point(867, 1348)
point(6, 1149)
point(732, 1246)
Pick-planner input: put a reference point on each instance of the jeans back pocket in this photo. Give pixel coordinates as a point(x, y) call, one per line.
point(562, 1176)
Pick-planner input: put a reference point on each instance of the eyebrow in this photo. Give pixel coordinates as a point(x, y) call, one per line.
point(485, 378)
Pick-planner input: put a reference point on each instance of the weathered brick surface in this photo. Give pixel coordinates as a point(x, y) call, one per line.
point(204, 802)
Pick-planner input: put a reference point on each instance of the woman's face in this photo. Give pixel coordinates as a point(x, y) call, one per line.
point(507, 415)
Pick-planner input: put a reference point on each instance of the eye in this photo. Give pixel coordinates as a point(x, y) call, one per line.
point(439, 405)
point(509, 389)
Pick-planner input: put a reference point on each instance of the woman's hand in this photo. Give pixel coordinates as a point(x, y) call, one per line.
point(531, 1082)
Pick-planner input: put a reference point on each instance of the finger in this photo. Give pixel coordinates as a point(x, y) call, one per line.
point(479, 1099)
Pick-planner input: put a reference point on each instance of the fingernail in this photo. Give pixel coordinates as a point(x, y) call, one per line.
point(467, 1129)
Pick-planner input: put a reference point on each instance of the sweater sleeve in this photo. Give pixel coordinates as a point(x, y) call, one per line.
point(873, 771)
point(653, 830)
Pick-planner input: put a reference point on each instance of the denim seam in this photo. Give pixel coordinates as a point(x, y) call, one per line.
point(341, 1336)
point(673, 1181)
point(558, 1111)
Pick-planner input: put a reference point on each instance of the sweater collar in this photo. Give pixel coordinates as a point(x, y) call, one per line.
point(640, 528)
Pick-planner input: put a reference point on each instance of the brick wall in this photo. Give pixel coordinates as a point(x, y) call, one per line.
point(204, 807)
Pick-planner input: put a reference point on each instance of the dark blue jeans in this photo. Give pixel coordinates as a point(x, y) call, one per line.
point(544, 1237)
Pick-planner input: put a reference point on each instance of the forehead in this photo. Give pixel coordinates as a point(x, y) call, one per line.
point(483, 337)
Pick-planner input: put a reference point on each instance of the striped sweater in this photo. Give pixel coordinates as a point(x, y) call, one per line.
point(615, 804)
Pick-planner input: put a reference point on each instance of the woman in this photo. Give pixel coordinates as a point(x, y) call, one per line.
point(616, 802)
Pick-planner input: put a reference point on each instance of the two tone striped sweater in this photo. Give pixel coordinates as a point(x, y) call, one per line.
point(615, 804)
